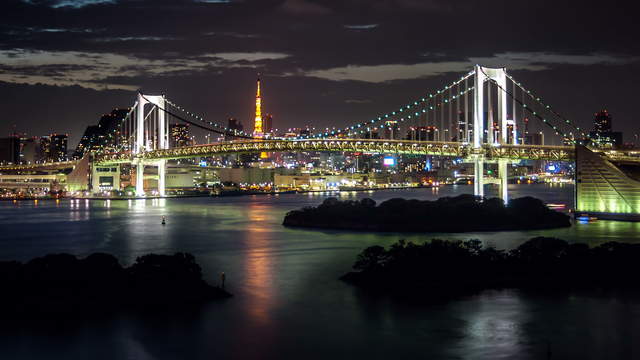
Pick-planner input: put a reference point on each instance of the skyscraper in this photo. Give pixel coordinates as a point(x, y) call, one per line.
point(58, 147)
point(267, 123)
point(45, 149)
point(234, 126)
point(258, 129)
point(104, 136)
point(602, 121)
point(602, 134)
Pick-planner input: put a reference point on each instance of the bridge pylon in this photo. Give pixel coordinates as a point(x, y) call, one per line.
point(480, 123)
point(153, 136)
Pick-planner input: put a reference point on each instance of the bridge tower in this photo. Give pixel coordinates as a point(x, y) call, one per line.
point(153, 137)
point(482, 74)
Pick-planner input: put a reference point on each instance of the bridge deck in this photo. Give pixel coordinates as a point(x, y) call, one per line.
point(369, 146)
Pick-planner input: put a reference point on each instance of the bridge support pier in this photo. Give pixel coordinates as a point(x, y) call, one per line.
point(162, 169)
point(478, 181)
point(140, 179)
point(503, 174)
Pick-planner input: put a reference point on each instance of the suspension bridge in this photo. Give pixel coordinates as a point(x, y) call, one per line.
point(485, 116)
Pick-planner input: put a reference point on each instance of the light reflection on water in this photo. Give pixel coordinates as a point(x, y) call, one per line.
point(288, 302)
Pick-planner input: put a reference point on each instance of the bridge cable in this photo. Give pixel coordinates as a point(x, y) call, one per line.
point(202, 126)
point(235, 131)
point(548, 107)
point(391, 114)
point(534, 113)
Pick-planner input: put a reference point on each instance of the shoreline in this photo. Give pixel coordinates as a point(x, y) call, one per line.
point(209, 195)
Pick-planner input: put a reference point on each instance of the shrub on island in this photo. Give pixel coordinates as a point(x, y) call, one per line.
point(447, 268)
point(462, 213)
point(62, 283)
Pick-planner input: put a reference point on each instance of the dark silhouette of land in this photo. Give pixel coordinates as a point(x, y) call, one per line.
point(438, 268)
point(462, 213)
point(62, 283)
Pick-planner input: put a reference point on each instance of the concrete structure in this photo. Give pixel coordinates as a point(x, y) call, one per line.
point(606, 189)
point(105, 178)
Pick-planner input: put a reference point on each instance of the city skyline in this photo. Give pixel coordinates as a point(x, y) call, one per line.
point(322, 60)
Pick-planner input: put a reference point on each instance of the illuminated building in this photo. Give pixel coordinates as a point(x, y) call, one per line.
point(28, 150)
point(258, 130)
point(45, 148)
point(179, 135)
point(103, 136)
point(602, 135)
point(235, 126)
point(89, 142)
point(602, 121)
point(58, 147)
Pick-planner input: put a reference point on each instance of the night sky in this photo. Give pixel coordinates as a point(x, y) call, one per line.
point(63, 63)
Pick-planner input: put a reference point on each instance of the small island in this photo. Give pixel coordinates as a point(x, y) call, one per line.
point(462, 213)
point(441, 269)
point(62, 283)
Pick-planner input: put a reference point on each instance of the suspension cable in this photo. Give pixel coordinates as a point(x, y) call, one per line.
point(215, 125)
point(534, 113)
point(391, 114)
point(548, 107)
point(202, 126)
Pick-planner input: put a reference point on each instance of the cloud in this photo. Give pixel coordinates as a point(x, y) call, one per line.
point(69, 3)
point(98, 70)
point(361, 27)
point(535, 61)
point(251, 57)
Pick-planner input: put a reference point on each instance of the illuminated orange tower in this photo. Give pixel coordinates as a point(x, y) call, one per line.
point(257, 130)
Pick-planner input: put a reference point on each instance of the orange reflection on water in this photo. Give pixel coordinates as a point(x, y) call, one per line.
point(259, 264)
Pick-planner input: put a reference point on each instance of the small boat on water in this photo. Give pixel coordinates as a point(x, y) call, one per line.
point(586, 218)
